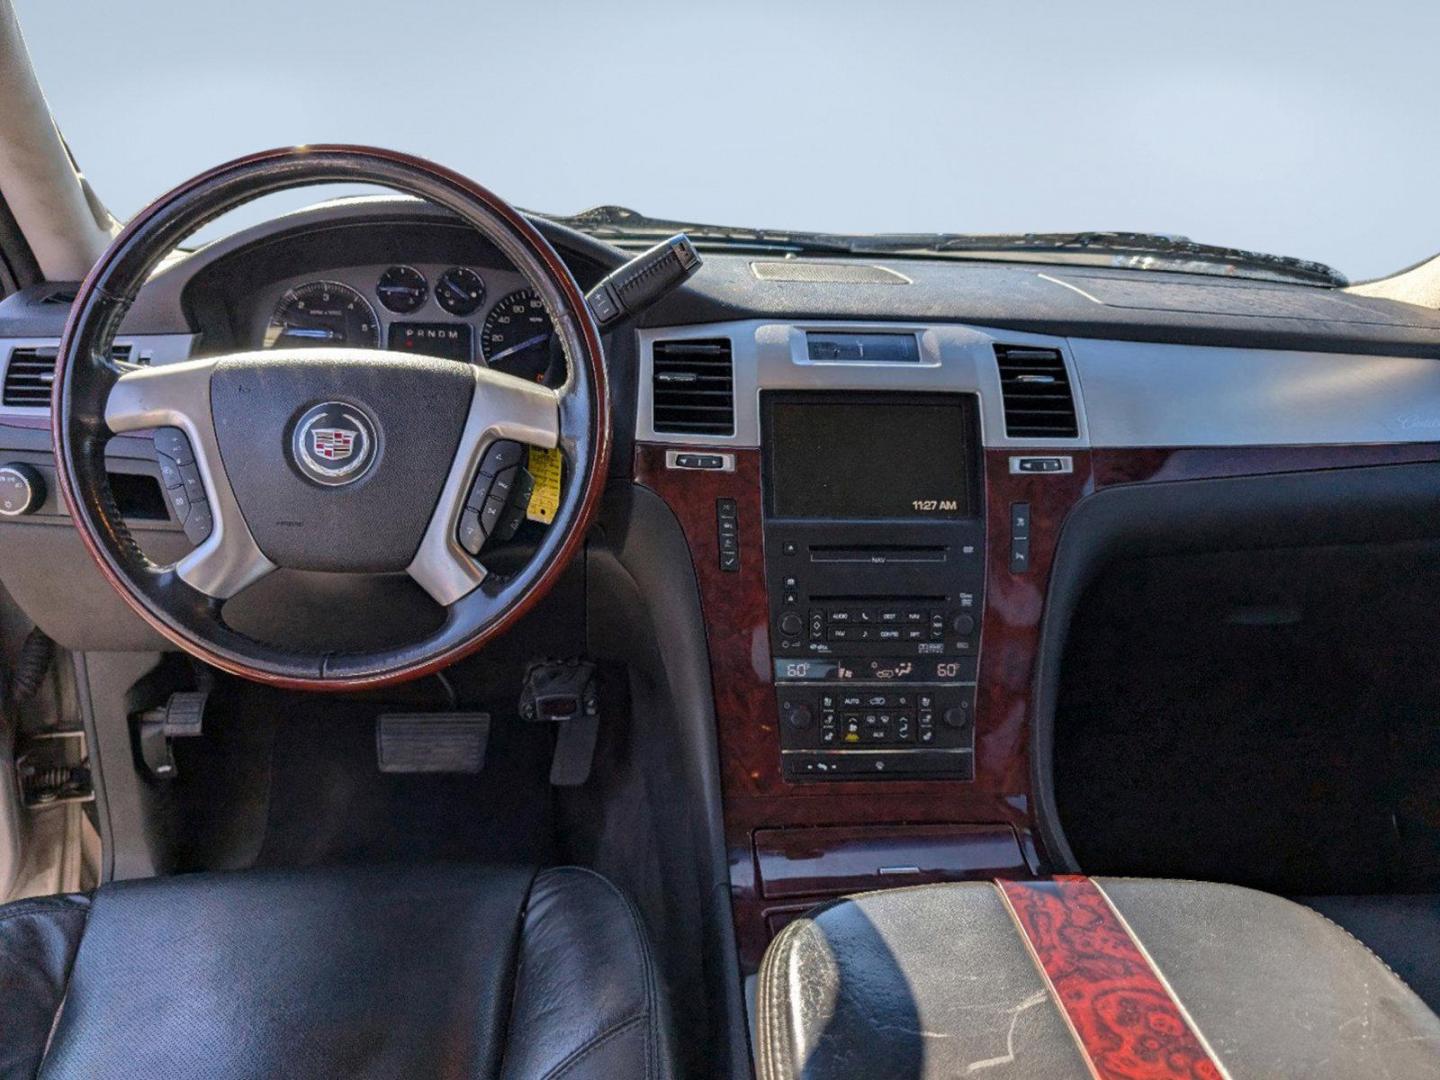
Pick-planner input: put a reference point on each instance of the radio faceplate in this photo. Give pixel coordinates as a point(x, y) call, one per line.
point(875, 622)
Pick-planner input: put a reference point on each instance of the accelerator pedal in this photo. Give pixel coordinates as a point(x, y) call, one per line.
point(451, 742)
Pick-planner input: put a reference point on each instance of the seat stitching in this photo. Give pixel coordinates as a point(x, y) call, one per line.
point(642, 943)
point(1373, 955)
point(592, 1044)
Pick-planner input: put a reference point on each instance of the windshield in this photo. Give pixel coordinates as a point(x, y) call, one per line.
point(1295, 129)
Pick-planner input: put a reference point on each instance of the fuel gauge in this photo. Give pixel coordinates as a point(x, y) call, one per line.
point(460, 291)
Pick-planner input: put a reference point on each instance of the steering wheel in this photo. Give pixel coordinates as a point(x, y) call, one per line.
point(332, 459)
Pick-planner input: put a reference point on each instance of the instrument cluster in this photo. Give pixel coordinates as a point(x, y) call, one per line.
point(454, 312)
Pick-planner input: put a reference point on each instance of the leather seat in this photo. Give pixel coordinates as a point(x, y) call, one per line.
point(443, 971)
point(1080, 978)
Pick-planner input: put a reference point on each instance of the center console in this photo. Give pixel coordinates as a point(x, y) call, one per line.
point(874, 536)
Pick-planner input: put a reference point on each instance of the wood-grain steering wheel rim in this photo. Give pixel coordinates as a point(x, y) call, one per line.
point(85, 376)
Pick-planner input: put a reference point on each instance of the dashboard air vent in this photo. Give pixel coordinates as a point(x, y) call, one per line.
point(693, 387)
point(31, 373)
point(1036, 389)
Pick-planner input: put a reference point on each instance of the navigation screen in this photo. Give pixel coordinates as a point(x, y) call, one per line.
point(874, 457)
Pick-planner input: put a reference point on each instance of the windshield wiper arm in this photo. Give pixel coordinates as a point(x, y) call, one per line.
point(618, 223)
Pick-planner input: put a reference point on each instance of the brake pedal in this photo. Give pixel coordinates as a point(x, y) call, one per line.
point(432, 742)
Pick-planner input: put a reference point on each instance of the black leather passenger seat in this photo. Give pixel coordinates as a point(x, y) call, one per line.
point(441, 971)
point(1144, 978)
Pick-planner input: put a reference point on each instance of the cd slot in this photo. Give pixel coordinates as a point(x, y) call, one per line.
point(876, 554)
point(877, 598)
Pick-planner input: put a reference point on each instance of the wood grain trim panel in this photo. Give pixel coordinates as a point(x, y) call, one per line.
point(736, 613)
point(1123, 1016)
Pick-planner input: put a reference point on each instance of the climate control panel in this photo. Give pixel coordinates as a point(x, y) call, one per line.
point(877, 731)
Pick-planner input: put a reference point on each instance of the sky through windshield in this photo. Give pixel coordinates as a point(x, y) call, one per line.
point(1302, 129)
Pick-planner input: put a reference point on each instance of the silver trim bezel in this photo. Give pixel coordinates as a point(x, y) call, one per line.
point(178, 395)
point(771, 355)
point(1128, 394)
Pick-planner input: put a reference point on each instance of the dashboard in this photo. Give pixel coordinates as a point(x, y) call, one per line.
point(865, 467)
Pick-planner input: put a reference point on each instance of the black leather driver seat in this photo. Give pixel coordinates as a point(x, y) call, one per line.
point(443, 971)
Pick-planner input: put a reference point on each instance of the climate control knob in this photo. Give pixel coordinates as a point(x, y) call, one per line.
point(798, 717)
point(22, 490)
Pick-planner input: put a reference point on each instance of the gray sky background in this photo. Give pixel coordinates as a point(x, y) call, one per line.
point(1306, 128)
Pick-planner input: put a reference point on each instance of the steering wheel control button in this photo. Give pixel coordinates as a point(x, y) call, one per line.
point(501, 456)
point(22, 490)
point(504, 482)
point(179, 503)
point(515, 508)
point(490, 514)
point(333, 444)
point(470, 532)
point(199, 522)
point(169, 470)
point(190, 479)
point(173, 444)
point(499, 496)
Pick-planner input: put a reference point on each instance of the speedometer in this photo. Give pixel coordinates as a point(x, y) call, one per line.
point(516, 337)
point(323, 313)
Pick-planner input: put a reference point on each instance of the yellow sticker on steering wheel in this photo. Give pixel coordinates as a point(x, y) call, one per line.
point(545, 499)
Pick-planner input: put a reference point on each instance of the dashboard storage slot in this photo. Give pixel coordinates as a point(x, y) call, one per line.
point(835, 860)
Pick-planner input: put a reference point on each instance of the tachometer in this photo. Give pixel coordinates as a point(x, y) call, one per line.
point(323, 313)
point(516, 336)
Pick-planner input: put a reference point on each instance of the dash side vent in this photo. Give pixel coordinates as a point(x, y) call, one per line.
point(30, 373)
point(693, 387)
point(1035, 386)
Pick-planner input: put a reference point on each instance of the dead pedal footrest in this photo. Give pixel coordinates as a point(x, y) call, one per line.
point(432, 742)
